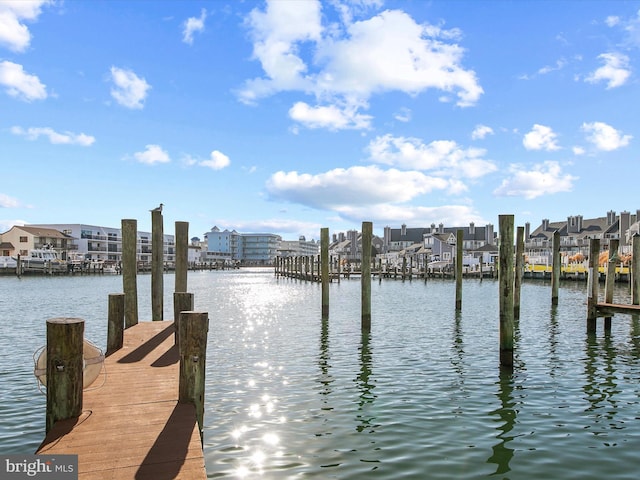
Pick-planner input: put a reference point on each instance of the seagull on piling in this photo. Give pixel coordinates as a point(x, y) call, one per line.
point(157, 209)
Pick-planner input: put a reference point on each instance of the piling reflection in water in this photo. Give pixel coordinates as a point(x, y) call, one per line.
point(507, 413)
point(365, 416)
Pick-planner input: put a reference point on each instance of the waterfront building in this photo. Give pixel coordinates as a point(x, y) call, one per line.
point(98, 244)
point(575, 233)
point(300, 247)
point(19, 240)
point(232, 247)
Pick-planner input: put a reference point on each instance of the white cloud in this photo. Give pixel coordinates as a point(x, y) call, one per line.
point(540, 137)
point(192, 25)
point(604, 136)
point(442, 157)
point(67, 138)
point(560, 64)
point(353, 61)
point(20, 84)
point(14, 34)
point(543, 179)
point(481, 131)
point(612, 21)
point(152, 155)
point(129, 90)
point(387, 214)
point(330, 117)
point(615, 70)
point(352, 186)
point(218, 161)
point(403, 115)
point(8, 202)
point(578, 150)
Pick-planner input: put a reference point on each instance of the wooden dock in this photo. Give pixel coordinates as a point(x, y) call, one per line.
point(132, 427)
point(608, 309)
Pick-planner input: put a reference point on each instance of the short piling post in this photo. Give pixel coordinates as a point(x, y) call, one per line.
point(130, 271)
point(365, 276)
point(194, 327)
point(610, 278)
point(506, 282)
point(459, 241)
point(635, 270)
point(157, 270)
point(324, 265)
point(592, 285)
point(115, 327)
point(65, 337)
point(555, 268)
point(518, 272)
point(182, 302)
point(182, 256)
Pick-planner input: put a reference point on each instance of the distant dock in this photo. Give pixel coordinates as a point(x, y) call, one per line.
point(133, 427)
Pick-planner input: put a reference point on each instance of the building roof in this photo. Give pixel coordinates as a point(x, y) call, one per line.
point(42, 232)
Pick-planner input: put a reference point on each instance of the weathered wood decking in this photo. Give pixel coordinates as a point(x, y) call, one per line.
point(607, 309)
point(133, 426)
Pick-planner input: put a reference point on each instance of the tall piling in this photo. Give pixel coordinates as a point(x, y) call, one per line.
point(459, 241)
point(182, 256)
point(365, 277)
point(130, 271)
point(65, 338)
point(555, 268)
point(157, 265)
point(324, 266)
point(194, 327)
point(592, 285)
point(506, 283)
point(517, 285)
point(115, 326)
point(635, 270)
point(610, 278)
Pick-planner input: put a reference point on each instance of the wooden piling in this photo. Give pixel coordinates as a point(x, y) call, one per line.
point(115, 326)
point(65, 337)
point(555, 268)
point(157, 265)
point(194, 327)
point(592, 285)
point(182, 256)
point(130, 271)
point(365, 277)
point(324, 266)
point(610, 277)
point(182, 302)
point(635, 270)
point(517, 286)
point(459, 241)
point(506, 283)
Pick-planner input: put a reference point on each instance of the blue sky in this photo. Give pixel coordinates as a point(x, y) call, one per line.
point(289, 116)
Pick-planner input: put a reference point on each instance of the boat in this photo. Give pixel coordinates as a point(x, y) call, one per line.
point(45, 259)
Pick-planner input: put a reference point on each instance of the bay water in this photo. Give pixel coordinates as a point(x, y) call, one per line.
point(422, 396)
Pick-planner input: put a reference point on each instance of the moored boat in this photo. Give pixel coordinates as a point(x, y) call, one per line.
point(44, 259)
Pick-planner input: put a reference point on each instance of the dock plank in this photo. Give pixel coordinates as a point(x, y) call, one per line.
point(605, 309)
point(132, 426)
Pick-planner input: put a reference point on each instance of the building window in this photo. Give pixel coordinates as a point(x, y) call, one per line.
point(23, 240)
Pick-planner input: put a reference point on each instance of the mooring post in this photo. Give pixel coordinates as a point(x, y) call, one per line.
point(365, 277)
point(157, 267)
point(65, 337)
point(610, 278)
point(635, 270)
point(115, 326)
point(182, 256)
point(194, 327)
point(182, 302)
point(555, 268)
point(459, 242)
point(130, 271)
point(506, 282)
point(324, 265)
point(592, 285)
point(518, 272)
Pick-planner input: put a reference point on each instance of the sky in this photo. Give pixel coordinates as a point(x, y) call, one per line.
point(290, 116)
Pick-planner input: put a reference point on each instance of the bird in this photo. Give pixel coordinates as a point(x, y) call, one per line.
point(157, 209)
